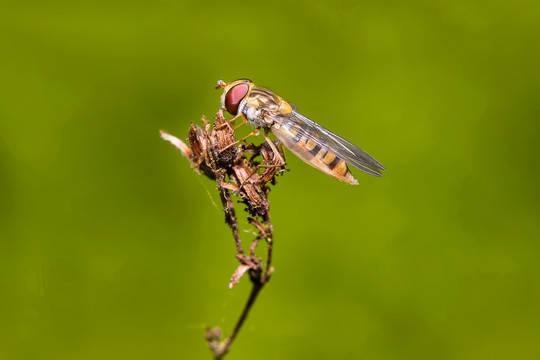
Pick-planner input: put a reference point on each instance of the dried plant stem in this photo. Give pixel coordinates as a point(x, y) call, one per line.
point(236, 169)
point(226, 345)
point(257, 276)
point(230, 217)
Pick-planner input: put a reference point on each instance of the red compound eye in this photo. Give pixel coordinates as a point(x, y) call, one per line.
point(234, 97)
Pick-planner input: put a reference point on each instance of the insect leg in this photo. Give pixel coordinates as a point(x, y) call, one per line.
point(283, 152)
point(274, 149)
point(231, 122)
point(255, 132)
point(244, 121)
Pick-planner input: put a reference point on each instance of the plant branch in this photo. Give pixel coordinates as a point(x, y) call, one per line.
point(224, 346)
point(230, 217)
point(214, 152)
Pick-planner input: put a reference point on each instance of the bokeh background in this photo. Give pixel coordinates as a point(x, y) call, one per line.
point(112, 248)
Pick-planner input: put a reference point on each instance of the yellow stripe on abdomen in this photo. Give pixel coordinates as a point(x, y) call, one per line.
point(313, 154)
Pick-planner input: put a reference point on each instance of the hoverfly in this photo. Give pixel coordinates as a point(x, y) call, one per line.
point(308, 140)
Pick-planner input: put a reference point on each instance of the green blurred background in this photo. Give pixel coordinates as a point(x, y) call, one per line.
point(112, 248)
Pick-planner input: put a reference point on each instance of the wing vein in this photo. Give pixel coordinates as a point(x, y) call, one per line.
point(334, 143)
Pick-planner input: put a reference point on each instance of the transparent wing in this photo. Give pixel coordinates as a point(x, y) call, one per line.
point(331, 142)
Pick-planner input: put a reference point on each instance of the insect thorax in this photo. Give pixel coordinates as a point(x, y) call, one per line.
point(256, 117)
point(261, 108)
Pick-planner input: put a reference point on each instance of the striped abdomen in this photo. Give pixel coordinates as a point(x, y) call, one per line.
point(318, 156)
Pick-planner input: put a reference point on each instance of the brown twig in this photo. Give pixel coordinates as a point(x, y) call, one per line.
point(230, 217)
point(213, 151)
point(220, 349)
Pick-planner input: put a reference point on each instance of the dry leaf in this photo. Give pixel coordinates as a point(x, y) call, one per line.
point(240, 270)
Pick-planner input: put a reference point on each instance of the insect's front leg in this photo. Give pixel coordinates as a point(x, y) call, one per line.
point(244, 121)
point(231, 122)
point(255, 132)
